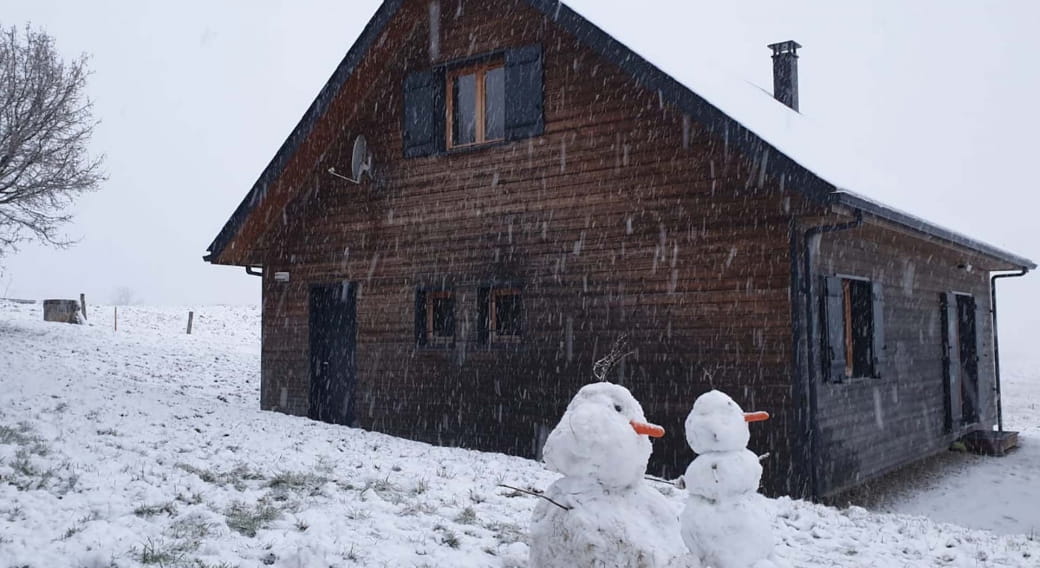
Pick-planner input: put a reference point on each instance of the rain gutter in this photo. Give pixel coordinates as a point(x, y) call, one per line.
point(996, 346)
point(808, 374)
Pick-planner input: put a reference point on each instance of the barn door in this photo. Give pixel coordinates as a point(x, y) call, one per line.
point(333, 346)
point(951, 360)
point(969, 359)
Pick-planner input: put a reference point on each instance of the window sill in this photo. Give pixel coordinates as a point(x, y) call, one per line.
point(469, 148)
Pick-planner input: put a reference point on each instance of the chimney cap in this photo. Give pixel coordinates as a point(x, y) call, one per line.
point(789, 46)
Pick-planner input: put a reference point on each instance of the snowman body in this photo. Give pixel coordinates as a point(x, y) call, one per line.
point(609, 515)
point(725, 523)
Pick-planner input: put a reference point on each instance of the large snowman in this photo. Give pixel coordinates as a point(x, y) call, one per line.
point(726, 523)
point(604, 513)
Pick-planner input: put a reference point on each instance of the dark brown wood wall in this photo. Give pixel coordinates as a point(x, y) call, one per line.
point(613, 222)
point(869, 426)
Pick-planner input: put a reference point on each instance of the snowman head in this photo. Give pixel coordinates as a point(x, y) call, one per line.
point(603, 435)
point(717, 424)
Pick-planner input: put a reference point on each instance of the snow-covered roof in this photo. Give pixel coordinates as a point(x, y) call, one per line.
point(807, 144)
point(748, 116)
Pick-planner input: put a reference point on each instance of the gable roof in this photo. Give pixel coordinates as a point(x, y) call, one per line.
point(787, 145)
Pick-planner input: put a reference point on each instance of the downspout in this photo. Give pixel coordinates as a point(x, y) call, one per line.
point(996, 347)
point(811, 363)
point(253, 271)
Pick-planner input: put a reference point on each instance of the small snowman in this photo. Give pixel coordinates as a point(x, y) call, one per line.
point(726, 523)
point(602, 513)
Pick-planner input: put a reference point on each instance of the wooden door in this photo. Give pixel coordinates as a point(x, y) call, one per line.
point(333, 352)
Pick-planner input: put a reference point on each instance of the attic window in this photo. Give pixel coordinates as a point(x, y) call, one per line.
point(490, 98)
point(476, 105)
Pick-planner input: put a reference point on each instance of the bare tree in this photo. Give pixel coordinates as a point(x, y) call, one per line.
point(45, 127)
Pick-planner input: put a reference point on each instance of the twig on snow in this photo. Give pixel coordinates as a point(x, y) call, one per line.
point(564, 507)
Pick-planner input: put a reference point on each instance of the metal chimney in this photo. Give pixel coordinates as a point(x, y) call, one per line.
point(785, 72)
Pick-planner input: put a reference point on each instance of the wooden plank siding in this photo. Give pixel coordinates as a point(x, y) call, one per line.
point(609, 223)
point(867, 427)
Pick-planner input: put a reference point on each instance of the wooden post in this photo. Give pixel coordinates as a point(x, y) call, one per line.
point(191, 316)
point(115, 318)
point(83, 305)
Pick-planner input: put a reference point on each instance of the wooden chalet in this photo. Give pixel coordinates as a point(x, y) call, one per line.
point(537, 190)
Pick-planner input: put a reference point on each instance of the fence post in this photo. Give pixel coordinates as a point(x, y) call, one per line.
point(115, 318)
point(191, 315)
point(83, 304)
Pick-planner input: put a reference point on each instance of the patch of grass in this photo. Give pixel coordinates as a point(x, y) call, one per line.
point(358, 514)
point(168, 508)
point(194, 498)
point(385, 488)
point(80, 525)
point(467, 517)
point(191, 528)
point(161, 552)
point(297, 481)
point(421, 486)
point(109, 432)
point(20, 435)
point(448, 536)
point(28, 475)
point(236, 477)
point(417, 507)
point(506, 533)
point(247, 519)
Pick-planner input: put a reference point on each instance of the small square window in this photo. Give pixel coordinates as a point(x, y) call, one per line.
point(435, 317)
point(505, 313)
point(476, 105)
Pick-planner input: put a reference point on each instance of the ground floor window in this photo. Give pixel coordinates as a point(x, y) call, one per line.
point(501, 310)
point(853, 338)
point(435, 317)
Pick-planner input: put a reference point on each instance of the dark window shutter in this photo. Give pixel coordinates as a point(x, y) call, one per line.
point(951, 359)
point(423, 116)
point(524, 92)
point(449, 321)
point(420, 317)
point(834, 329)
point(483, 316)
point(877, 347)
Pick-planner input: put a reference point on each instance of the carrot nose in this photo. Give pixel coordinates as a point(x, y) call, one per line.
point(756, 416)
point(652, 430)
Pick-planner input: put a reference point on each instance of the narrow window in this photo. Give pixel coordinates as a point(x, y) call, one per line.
point(506, 314)
point(435, 317)
point(859, 328)
point(505, 311)
point(476, 105)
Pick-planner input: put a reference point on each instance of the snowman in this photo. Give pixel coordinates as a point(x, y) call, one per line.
point(601, 512)
point(726, 523)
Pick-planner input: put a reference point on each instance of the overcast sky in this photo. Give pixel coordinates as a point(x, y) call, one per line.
point(196, 96)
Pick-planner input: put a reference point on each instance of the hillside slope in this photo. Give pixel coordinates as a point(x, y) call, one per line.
point(145, 446)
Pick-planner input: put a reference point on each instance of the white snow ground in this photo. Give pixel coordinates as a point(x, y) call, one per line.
point(999, 494)
point(145, 447)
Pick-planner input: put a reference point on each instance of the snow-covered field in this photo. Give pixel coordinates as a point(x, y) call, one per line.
point(145, 446)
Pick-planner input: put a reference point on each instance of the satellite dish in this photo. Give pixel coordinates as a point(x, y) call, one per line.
point(360, 161)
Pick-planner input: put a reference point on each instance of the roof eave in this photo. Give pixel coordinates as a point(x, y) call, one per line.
point(303, 129)
point(918, 225)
